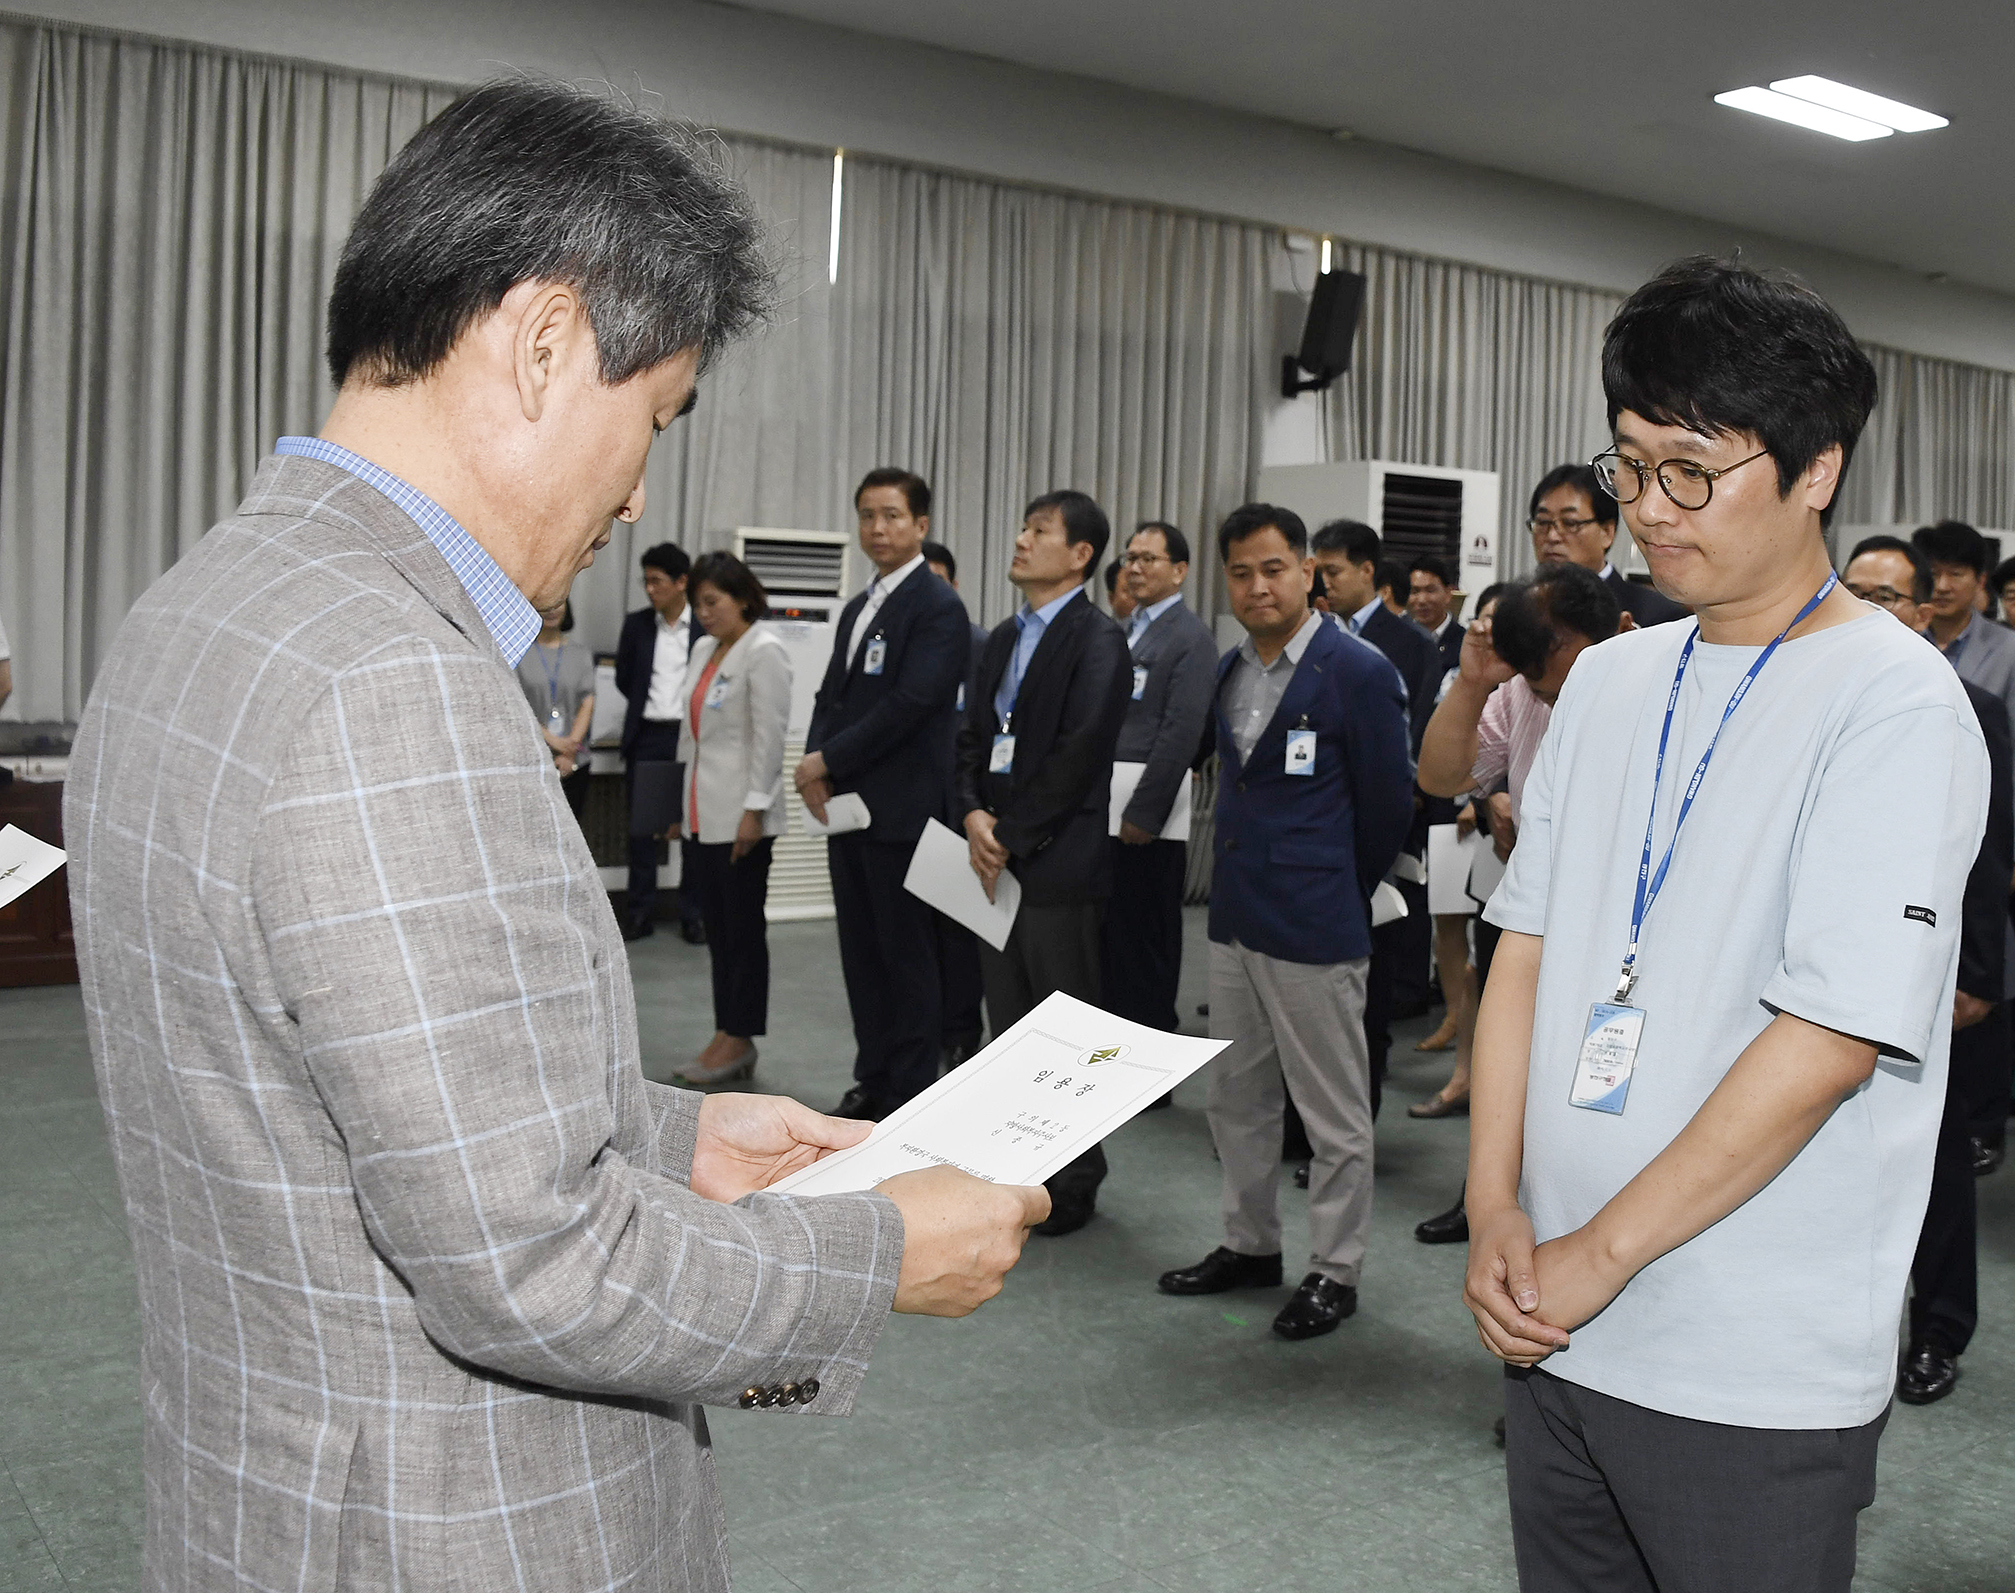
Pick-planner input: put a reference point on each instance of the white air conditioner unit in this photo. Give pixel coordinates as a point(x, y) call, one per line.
point(809, 578)
point(1416, 508)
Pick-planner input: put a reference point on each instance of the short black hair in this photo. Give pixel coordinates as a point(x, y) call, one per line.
point(1718, 348)
point(734, 580)
point(1953, 542)
point(1922, 580)
point(1489, 595)
point(1112, 579)
point(2004, 572)
point(1355, 540)
point(1173, 540)
point(916, 490)
point(1583, 479)
point(1250, 518)
point(1560, 597)
point(668, 557)
point(1083, 521)
point(938, 553)
point(1390, 576)
point(1431, 564)
point(521, 181)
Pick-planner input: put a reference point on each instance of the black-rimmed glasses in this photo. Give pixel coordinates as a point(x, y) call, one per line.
point(1626, 479)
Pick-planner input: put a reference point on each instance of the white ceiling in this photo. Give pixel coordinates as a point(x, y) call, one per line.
point(1615, 98)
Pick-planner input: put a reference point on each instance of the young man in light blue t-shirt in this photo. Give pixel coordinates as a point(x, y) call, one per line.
point(1710, 1061)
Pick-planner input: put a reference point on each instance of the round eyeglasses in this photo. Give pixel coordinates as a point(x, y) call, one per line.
point(1687, 484)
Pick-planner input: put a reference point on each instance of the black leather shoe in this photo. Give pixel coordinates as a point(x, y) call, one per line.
point(860, 1106)
point(1929, 1374)
point(1301, 1176)
point(635, 931)
point(694, 933)
point(1318, 1306)
point(1986, 1157)
point(1067, 1214)
point(1223, 1269)
point(1450, 1228)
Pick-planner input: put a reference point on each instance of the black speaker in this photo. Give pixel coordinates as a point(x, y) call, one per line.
point(1327, 335)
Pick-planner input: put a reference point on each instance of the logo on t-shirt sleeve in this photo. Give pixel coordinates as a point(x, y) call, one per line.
point(1921, 915)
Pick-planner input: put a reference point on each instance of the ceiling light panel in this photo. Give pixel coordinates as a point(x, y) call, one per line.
point(1859, 102)
point(1802, 113)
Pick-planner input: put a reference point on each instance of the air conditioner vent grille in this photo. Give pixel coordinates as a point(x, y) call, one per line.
point(811, 568)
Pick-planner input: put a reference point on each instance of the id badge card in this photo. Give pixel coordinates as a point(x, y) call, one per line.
point(876, 650)
point(717, 694)
point(556, 720)
point(1001, 759)
point(1139, 681)
point(1301, 752)
point(1608, 1058)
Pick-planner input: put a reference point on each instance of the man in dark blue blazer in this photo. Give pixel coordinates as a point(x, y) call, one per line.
point(1035, 780)
point(1430, 595)
point(881, 728)
point(1315, 796)
point(651, 674)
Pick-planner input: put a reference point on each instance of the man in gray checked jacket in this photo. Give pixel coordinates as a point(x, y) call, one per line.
point(433, 1281)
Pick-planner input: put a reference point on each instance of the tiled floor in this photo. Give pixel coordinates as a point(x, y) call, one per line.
point(1081, 1432)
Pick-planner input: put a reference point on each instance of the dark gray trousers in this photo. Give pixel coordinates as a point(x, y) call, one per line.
point(1608, 1497)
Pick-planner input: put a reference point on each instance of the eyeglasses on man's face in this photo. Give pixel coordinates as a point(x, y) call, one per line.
point(1143, 560)
point(1686, 483)
point(1539, 525)
point(1883, 596)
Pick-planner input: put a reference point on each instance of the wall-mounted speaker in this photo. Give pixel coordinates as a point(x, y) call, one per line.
point(1326, 336)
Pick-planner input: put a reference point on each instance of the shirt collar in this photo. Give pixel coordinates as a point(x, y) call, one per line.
point(508, 615)
point(1040, 617)
point(886, 584)
point(1958, 641)
point(1357, 620)
point(1144, 617)
point(1297, 644)
point(1607, 570)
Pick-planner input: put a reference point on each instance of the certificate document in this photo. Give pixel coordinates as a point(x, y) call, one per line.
point(24, 861)
point(1039, 1096)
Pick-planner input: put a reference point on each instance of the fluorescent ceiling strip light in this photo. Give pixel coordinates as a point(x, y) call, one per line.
point(1802, 113)
point(1858, 102)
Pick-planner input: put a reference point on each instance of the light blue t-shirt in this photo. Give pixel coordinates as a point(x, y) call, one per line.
point(1820, 873)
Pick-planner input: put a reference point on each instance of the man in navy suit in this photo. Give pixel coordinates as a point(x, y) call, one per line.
point(881, 728)
point(1314, 798)
point(1035, 780)
point(1572, 519)
point(651, 674)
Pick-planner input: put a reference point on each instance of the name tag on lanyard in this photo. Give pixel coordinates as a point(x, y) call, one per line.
point(1608, 1058)
point(1139, 681)
point(717, 694)
point(1001, 759)
point(1301, 752)
point(873, 654)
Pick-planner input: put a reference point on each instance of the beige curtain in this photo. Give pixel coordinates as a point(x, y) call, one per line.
point(1938, 446)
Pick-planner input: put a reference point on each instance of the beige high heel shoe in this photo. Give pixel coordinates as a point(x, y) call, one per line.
point(734, 1072)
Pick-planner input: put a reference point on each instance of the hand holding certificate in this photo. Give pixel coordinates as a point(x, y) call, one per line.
point(1040, 1095)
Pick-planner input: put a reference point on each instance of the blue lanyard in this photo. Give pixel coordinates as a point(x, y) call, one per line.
point(1649, 885)
point(553, 675)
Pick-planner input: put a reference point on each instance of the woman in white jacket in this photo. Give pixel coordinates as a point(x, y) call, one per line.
point(738, 705)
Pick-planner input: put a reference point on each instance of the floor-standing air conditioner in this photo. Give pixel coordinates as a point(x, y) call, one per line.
point(809, 578)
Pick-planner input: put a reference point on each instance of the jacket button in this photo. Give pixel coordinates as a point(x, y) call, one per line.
point(1241, 785)
point(791, 1393)
point(751, 1398)
point(773, 1396)
point(808, 1391)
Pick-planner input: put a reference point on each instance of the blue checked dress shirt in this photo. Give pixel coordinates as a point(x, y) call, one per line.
point(512, 620)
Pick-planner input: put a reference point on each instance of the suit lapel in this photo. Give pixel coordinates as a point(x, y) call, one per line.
point(836, 668)
point(1054, 640)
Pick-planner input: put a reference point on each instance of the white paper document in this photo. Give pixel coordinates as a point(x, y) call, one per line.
point(1448, 862)
point(1039, 1096)
point(941, 873)
point(1387, 904)
point(1126, 780)
point(844, 814)
point(25, 862)
point(1486, 873)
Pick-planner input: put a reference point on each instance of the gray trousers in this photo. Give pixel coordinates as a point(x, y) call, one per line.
point(1608, 1497)
point(1300, 1025)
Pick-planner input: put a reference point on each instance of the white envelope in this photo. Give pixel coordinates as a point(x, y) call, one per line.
point(845, 813)
point(941, 873)
point(1126, 780)
point(1448, 863)
point(1387, 905)
point(1034, 1100)
point(25, 862)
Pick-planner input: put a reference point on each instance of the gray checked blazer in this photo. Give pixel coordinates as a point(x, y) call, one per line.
point(427, 1302)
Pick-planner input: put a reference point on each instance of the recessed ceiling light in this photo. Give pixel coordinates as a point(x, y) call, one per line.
point(1858, 102)
point(1802, 113)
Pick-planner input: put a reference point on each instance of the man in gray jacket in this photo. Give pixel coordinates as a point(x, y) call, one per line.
point(1174, 682)
point(433, 1282)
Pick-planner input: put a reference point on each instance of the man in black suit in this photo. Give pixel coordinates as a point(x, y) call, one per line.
point(651, 674)
point(1035, 770)
point(1572, 519)
point(1944, 1275)
point(881, 727)
point(958, 947)
point(1347, 554)
point(1430, 595)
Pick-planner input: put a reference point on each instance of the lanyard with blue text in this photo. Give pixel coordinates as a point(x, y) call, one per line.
point(555, 716)
point(1648, 884)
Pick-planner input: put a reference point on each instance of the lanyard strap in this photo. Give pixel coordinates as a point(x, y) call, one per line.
point(1648, 884)
point(553, 677)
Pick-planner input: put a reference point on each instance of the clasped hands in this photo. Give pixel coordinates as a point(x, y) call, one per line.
point(1526, 1299)
point(814, 783)
point(961, 1234)
point(987, 855)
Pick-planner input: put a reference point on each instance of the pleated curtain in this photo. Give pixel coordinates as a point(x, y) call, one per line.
point(170, 219)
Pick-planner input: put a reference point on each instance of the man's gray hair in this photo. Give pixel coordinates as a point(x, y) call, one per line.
point(528, 181)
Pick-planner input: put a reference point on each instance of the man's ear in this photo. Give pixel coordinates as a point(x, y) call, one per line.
point(1611, 528)
point(1822, 477)
point(1627, 621)
point(550, 319)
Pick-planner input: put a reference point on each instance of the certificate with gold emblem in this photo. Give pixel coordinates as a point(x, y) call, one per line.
point(1039, 1096)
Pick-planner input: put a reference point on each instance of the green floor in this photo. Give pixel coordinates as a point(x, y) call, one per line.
point(1081, 1432)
